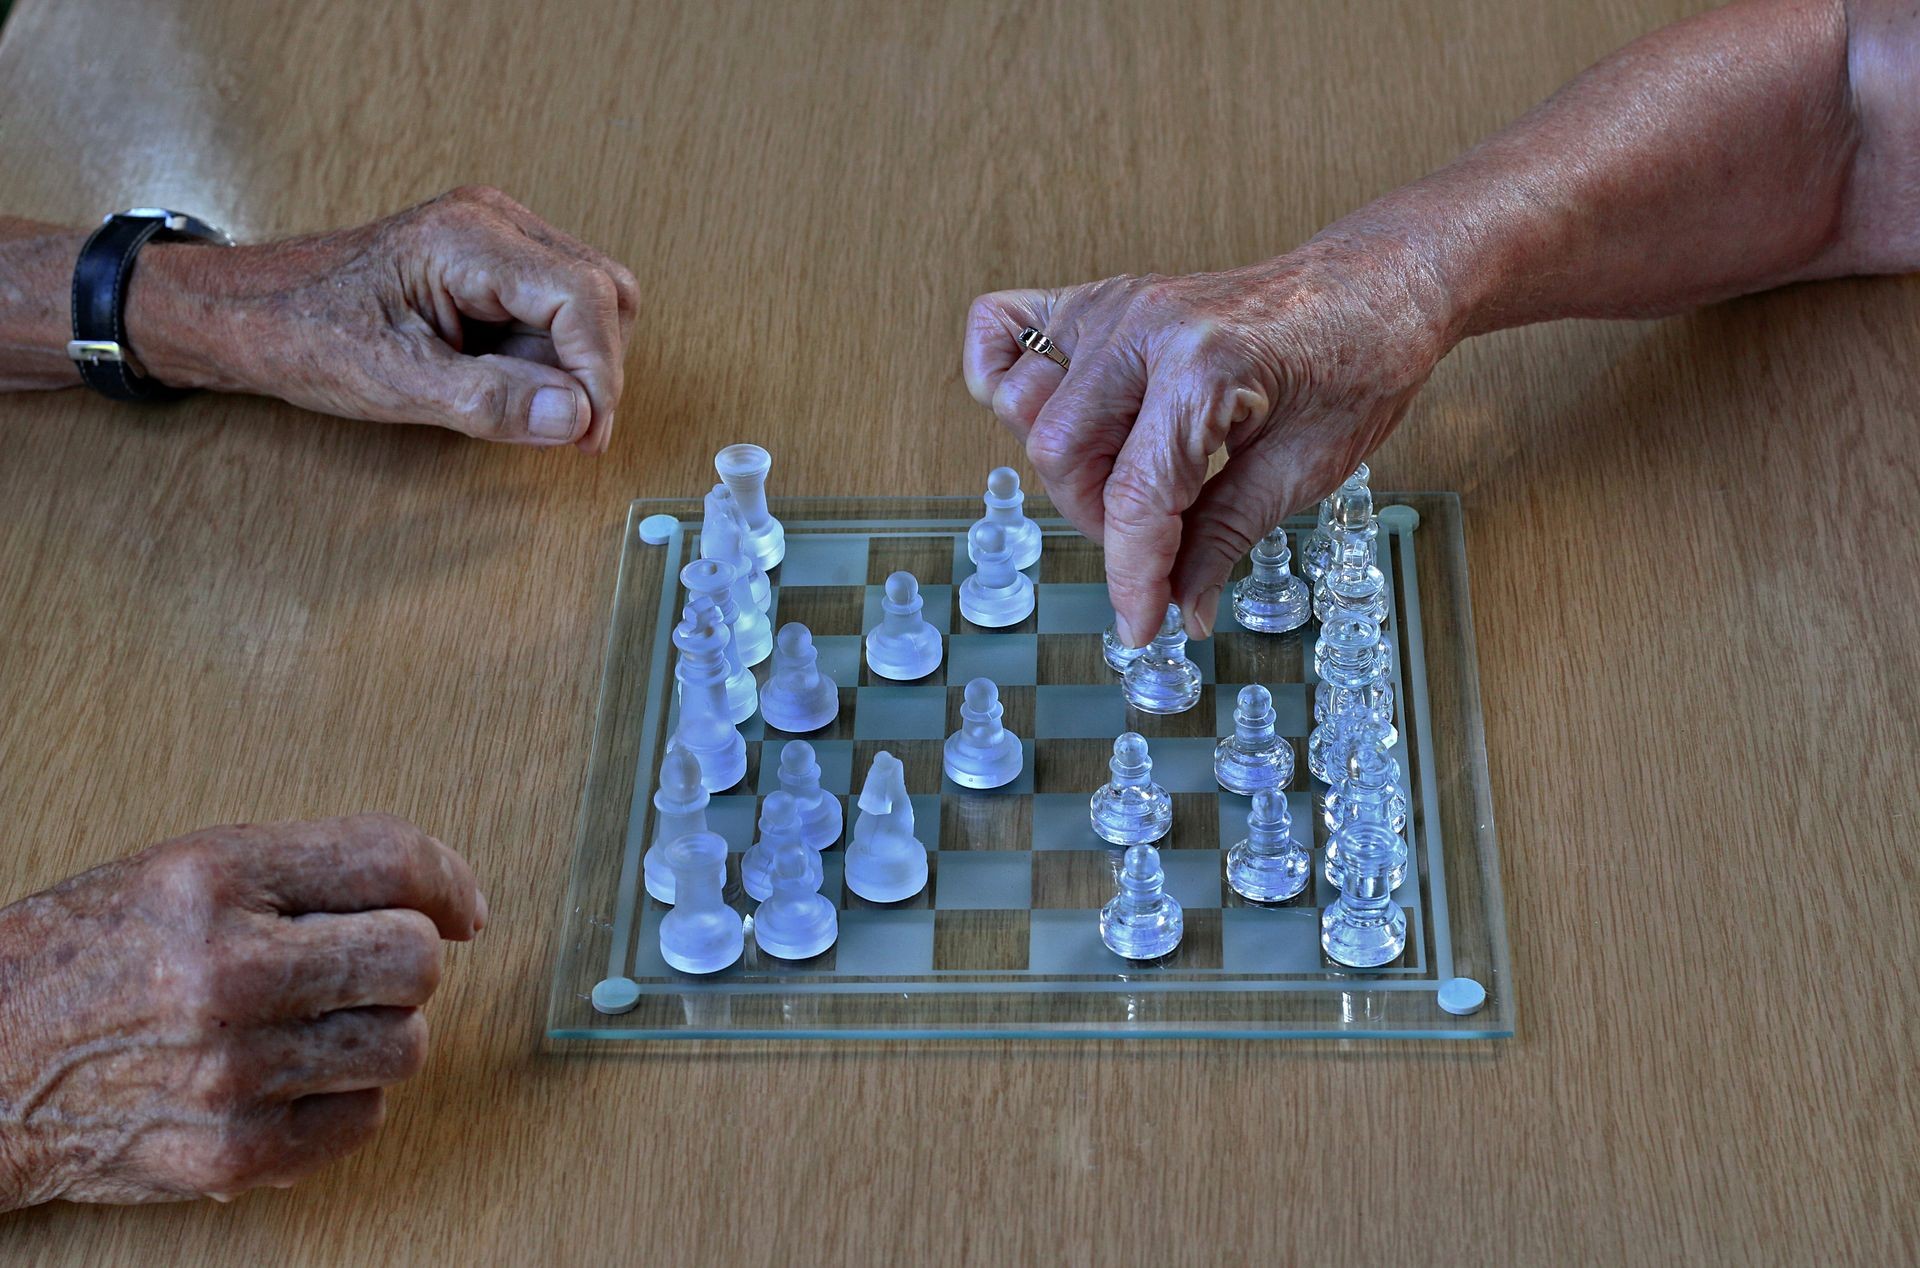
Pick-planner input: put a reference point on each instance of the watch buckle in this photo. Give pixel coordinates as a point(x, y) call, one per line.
point(95, 351)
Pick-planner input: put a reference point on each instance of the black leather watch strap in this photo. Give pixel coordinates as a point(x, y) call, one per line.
point(100, 347)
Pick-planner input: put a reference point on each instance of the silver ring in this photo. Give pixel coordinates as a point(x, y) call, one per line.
point(1033, 341)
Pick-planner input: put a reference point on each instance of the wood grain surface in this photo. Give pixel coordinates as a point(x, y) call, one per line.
point(1694, 559)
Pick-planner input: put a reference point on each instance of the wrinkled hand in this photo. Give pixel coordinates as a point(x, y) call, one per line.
point(467, 312)
point(220, 1011)
point(1298, 367)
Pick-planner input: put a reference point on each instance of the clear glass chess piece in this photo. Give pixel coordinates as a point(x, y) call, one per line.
point(1354, 583)
point(679, 809)
point(1348, 657)
point(1118, 655)
point(779, 826)
point(1254, 757)
point(714, 580)
point(1369, 788)
point(983, 753)
point(821, 815)
point(743, 469)
point(904, 646)
point(705, 730)
point(885, 862)
point(723, 537)
point(795, 921)
point(1131, 808)
point(1316, 552)
point(996, 595)
point(1142, 921)
point(798, 697)
point(1271, 599)
point(1162, 679)
point(1269, 866)
point(701, 934)
point(1364, 928)
point(1006, 511)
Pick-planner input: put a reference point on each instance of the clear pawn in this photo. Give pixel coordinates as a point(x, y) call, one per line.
point(1316, 552)
point(1142, 921)
point(714, 580)
point(680, 809)
point(1131, 808)
point(743, 469)
point(1269, 866)
point(1117, 654)
point(821, 815)
point(798, 697)
point(705, 730)
point(1161, 679)
point(1271, 599)
point(1005, 510)
point(983, 753)
point(1254, 757)
point(996, 595)
point(1348, 658)
point(779, 826)
point(1364, 928)
point(701, 934)
point(795, 921)
point(904, 646)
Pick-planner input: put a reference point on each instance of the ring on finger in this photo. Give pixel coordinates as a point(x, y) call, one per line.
point(1033, 341)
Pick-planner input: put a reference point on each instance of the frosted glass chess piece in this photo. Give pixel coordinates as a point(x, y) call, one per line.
point(1368, 788)
point(1354, 582)
point(996, 595)
point(723, 536)
point(701, 934)
point(1271, 599)
point(1254, 757)
point(743, 469)
point(705, 730)
point(1131, 808)
point(905, 645)
point(779, 826)
point(1349, 658)
point(795, 921)
point(680, 809)
point(712, 579)
point(1142, 921)
point(1005, 511)
point(983, 753)
point(821, 816)
point(885, 863)
point(1364, 927)
point(1161, 679)
point(1316, 552)
point(1118, 655)
point(1269, 866)
point(798, 697)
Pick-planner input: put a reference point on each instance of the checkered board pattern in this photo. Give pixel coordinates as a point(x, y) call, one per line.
point(1016, 875)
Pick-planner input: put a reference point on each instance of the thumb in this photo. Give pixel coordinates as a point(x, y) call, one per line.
point(500, 398)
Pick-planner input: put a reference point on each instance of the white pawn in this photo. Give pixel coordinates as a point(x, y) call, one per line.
point(904, 646)
point(680, 809)
point(821, 816)
point(705, 730)
point(983, 753)
point(795, 921)
point(701, 934)
point(885, 863)
point(743, 469)
point(798, 697)
point(723, 536)
point(1005, 503)
point(995, 595)
point(714, 580)
point(1161, 679)
point(779, 825)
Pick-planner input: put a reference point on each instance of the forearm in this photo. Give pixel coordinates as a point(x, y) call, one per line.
point(1713, 158)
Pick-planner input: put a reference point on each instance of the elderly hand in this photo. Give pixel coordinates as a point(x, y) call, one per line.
point(220, 1011)
point(467, 312)
point(1297, 367)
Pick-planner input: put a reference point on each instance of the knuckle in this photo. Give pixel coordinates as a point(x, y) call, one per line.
point(407, 1047)
point(1131, 496)
point(482, 409)
point(1053, 448)
point(228, 1163)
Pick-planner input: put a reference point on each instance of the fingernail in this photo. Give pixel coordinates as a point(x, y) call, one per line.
point(479, 911)
point(1206, 610)
point(554, 414)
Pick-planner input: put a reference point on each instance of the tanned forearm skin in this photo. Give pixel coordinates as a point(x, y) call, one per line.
point(1768, 142)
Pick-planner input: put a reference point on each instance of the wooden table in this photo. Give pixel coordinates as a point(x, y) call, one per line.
point(1692, 545)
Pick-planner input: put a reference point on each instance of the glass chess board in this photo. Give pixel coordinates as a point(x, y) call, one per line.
point(1004, 939)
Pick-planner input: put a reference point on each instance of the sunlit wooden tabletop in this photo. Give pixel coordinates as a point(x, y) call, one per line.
point(1692, 545)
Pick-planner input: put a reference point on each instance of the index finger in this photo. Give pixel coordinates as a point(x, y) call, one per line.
point(365, 862)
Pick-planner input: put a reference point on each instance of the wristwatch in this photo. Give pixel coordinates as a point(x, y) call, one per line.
point(99, 345)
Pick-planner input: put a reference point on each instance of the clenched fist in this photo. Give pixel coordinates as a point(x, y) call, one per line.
point(220, 1011)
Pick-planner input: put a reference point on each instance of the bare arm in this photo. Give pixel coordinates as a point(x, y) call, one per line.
point(1768, 142)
